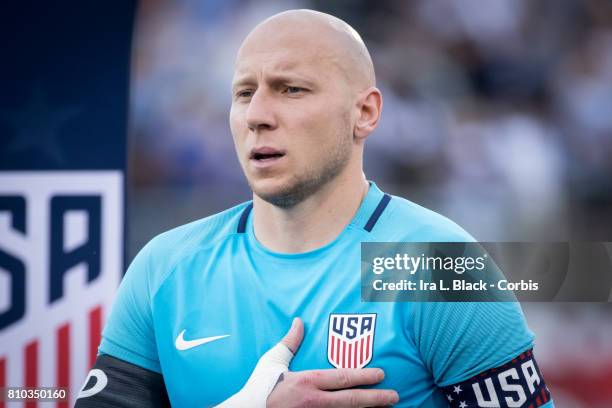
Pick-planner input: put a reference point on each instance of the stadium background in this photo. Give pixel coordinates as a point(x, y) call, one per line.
point(497, 114)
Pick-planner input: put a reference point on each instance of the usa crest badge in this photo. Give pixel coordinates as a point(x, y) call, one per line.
point(350, 340)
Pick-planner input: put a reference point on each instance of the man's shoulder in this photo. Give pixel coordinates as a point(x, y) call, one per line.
point(183, 240)
point(408, 221)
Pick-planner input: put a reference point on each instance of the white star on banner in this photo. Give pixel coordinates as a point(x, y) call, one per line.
point(457, 389)
point(463, 405)
point(37, 125)
point(449, 398)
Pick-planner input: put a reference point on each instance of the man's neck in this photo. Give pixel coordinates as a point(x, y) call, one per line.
point(312, 223)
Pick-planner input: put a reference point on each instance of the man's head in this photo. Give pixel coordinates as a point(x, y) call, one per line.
point(303, 102)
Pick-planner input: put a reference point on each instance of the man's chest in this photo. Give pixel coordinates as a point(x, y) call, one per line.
point(212, 327)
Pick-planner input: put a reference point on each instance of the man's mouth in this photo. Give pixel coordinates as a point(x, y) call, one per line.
point(266, 154)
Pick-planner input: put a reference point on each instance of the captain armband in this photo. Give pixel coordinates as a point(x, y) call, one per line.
point(517, 383)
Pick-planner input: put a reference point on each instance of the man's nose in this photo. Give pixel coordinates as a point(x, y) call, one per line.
point(260, 113)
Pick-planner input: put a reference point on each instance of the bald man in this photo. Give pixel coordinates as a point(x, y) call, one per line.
point(202, 306)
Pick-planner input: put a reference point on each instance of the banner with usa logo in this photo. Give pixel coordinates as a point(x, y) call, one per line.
point(63, 124)
point(350, 342)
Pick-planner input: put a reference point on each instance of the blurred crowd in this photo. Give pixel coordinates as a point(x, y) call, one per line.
point(497, 114)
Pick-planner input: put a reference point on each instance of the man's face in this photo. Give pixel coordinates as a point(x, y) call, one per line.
point(290, 117)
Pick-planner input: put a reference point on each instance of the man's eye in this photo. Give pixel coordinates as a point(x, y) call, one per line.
point(293, 90)
point(244, 94)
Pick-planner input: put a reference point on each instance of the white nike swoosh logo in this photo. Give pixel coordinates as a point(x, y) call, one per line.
point(182, 344)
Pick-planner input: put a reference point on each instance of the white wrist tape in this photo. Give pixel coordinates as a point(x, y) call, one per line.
point(260, 384)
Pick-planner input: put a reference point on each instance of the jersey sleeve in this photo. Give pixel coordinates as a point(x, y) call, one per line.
point(129, 332)
point(461, 339)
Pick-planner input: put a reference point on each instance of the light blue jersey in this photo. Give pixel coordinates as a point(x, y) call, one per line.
point(213, 278)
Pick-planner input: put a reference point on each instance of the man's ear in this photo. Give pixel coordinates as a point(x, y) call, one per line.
point(370, 108)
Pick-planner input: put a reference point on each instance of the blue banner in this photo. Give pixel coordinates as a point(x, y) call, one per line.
point(63, 130)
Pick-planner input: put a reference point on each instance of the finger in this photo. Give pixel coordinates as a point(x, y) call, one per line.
point(294, 336)
point(358, 398)
point(333, 379)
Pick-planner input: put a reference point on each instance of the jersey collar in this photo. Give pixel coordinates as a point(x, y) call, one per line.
point(372, 206)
